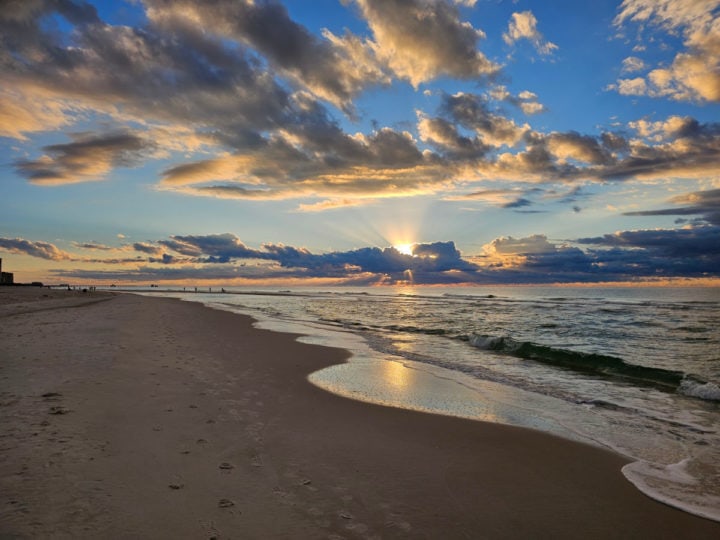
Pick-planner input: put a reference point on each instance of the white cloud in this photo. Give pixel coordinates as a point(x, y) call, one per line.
point(424, 39)
point(523, 25)
point(632, 63)
point(694, 74)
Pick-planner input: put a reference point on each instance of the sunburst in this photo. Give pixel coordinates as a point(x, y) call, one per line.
point(405, 249)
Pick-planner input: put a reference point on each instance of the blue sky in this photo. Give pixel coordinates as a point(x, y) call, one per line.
point(360, 141)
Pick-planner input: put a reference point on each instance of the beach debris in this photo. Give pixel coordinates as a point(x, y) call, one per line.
point(58, 409)
point(226, 466)
point(306, 482)
point(225, 503)
point(176, 486)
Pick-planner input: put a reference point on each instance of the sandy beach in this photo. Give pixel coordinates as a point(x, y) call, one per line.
point(124, 416)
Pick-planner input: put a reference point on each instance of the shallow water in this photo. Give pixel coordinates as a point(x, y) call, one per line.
point(632, 369)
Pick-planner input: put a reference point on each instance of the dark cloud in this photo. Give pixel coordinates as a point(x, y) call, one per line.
point(703, 203)
point(42, 250)
point(171, 74)
point(445, 136)
point(335, 68)
point(518, 203)
point(93, 246)
point(88, 157)
point(471, 111)
point(218, 248)
point(622, 256)
point(150, 249)
point(224, 248)
point(673, 243)
point(686, 149)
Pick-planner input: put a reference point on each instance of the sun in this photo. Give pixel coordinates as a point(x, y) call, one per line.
point(405, 249)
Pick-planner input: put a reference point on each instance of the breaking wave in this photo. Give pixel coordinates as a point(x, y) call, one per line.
point(601, 365)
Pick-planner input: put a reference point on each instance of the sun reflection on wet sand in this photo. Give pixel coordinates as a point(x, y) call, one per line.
point(396, 375)
point(429, 389)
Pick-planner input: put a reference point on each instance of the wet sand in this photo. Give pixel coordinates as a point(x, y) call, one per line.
point(124, 416)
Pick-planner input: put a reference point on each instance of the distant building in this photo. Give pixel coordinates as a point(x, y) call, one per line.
point(6, 278)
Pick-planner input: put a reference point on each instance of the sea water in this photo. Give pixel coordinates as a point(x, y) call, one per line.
point(636, 370)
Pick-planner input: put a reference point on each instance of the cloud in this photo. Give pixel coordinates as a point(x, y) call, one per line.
point(673, 244)
point(330, 204)
point(504, 198)
point(421, 40)
point(522, 246)
point(632, 63)
point(316, 158)
point(678, 147)
point(703, 203)
point(526, 101)
point(217, 247)
point(583, 148)
point(445, 136)
point(234, 112)
point(471, 112)
point(22, 114)
point(177, 75)
point(150, 249)
point(334, 68)
point(630, 87)
point(523, 25)
point(93, 246)
point(624, 255)
point(224, 248)
point(41, 250)
point(89, 157)
point(694, 74)
point(518, 203)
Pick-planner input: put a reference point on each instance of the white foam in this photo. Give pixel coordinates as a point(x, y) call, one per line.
point(703, 390)
point(673, 485)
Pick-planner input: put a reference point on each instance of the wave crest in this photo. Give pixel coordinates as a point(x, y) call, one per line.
point(600, 365)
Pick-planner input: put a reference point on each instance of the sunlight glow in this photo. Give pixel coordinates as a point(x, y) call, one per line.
point(405, 249)
point(396, 375)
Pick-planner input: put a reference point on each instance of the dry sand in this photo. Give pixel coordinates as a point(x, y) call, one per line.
point(132, 417)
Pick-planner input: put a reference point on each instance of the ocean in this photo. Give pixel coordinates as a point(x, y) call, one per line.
point(632, 369)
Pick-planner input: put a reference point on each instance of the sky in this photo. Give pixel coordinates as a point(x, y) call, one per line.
point(360, 142)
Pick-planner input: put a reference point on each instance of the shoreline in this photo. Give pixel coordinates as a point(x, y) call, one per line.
point(151, 417)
